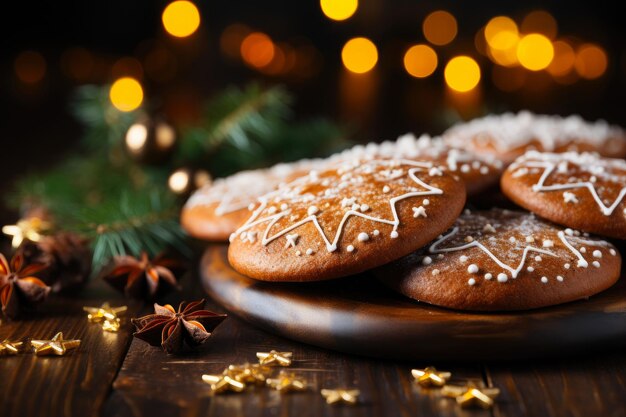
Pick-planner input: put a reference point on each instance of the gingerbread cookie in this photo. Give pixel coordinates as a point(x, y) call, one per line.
point(346, 219)
point(509, 135)
point(505, 260)
point(478, 172)
point(578, 190)
point(216, 210)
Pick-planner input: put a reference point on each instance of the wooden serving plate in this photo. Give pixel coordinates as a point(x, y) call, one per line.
point(359, 315)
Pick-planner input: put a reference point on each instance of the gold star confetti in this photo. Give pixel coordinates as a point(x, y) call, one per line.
point(103, 313)
point(286, 382)
point(223, 383)
point(471, 395)
point(30, 229)
point(335, 396)
point(273, 357)
point(10, 348)
point(430, 377)
point(248, 374)
point(55, 346)
point(111, 325)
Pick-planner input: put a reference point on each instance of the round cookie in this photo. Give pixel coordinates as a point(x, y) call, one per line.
point(478, 172)
point(345, 219)
point(505, 260)
point(216, 210)
point(578, 190)
point(509, 135)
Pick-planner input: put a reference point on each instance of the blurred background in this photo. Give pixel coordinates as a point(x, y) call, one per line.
point(382, 67)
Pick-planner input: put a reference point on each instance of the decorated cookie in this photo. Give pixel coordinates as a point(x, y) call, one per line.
point(505, 260)
point(216, 210)
point(478, 172)
point(579, 190)
point(346, 219)
point(509, 135)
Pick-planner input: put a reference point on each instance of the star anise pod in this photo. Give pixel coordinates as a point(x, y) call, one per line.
point(18, 288)
point(142, 278)
point(170, 328)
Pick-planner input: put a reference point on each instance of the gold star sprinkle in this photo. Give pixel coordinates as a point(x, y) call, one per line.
point(286, 382)
point(430, 377)
point(26, 229)
point(10, 348)
point(103, 313)
point(55, 346)
point(111, 325)
point(248, 374)
point(471, 396)
point(273, 357)
point(223, 383)
point(335, 396)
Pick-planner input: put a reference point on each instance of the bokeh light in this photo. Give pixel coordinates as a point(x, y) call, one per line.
point(540, 21)
point(563, 61)
point(181, 18)
point(77, 63)
point(257, 50)
point(179, 181)
point(591, 61)
point(504, 57)
point(535, 52)
point(462, 73)
point(339, 9)
point(136, 137)
point(30, 67)
point(359, 55)
point(126, 94)
point(232, 38)
point(501, 33)
point(420, 61)
point(440, 27)
point(127, 67)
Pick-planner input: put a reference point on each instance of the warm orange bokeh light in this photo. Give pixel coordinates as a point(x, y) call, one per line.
point(535, 52)
point(439, 27)
point(232, 38)
point(462, 74)
point(126, 94)
point(540, 21)
point(257, 50)
point(127, 67)
point(359, 55)
point(30, 67)
point(420, 61)
point(563, 61)
point(339, 9)
point(501, 33)
point(181, 18)
point(591, 61)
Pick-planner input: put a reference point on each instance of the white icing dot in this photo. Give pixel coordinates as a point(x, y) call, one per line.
point(597, 254)
point(569, 232)
point(355, 207)
point(364, 207)
point(298, 253)
point(463, 258)
point(350, 248)
point(583, 249)
point(502, 277)
point(376, 232)
point(435, 272)
point(310, 251)
point(271, 210)
point(472, 269)
point(251, 206)
point(484, 170)
point(596, 264)
point(394, 234)
point(567, 266)
point(530, 239)
point(440, 256)
point(386, 189)
point(284, 206)
point(538, 258)
point(530, 269)
point(489, 228)
point(582, 263)
point(612, 252)
point(544, 280)
point(426, 202)
point(427, 260)
point(363, 237)
point(434, 171)
point(488, 276)
point(469, 239)
point(252, 237)
point(512, 239)
point(312, 210)
point(548, 243)
point(471, 281)
point(559, 278)
point(465, 168)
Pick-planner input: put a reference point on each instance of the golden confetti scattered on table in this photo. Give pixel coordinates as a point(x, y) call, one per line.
point(430, 377)
point(248, 373)
point(471, 395)
point(336, 396)
point(106, 316)
point(286, 382)
point(10, 348)
point(111, 325)
point(29, 229)
point(223, 383)
point(55, 346)
point(274, 358)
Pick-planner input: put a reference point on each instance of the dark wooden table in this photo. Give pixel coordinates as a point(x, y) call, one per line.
point(113, 375)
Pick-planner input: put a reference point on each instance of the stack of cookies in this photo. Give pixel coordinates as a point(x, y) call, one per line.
point(404, 211)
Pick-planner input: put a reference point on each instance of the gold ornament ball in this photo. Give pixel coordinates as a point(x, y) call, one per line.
point(150, 140)
point(185, 180)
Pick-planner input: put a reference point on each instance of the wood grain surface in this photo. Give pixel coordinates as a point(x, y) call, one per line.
point(359, 315)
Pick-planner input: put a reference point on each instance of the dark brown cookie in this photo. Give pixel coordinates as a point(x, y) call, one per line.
point(509, 135)
point(346, 219)
point(578, 190)
point(505, 260)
